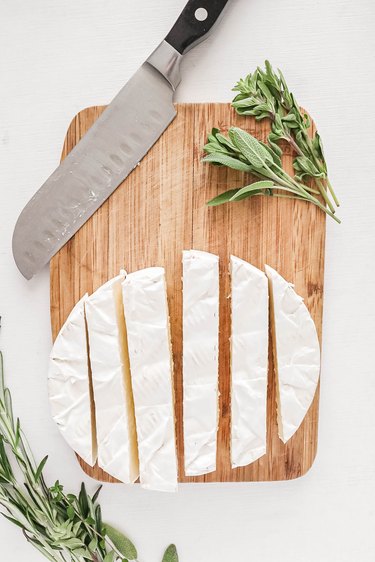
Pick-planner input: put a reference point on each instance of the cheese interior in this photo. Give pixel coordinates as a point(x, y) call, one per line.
point(116, 434)
point(171, 370)
point(130, 413)
point(94, 438)
point(274, 355)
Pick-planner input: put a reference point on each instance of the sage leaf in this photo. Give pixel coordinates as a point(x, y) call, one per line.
point(70, 512)
point(229, 161)
point(82, 552)
point(290, 118)
point(257, 186)
point(275, 152)
point(83, 501)
point(222, 198)
point(265, 91)
point(93, 545)
point(110, 556)
point(225, 142)
point(250, 147)
point(170, 555)
point(95, 496)
point(122, 543)
point(98, 518)
point(72, 543)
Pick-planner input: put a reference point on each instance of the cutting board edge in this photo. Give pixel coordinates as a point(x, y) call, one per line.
point(88, 470)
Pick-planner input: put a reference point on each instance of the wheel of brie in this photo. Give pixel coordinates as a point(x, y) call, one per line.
point(111, 370)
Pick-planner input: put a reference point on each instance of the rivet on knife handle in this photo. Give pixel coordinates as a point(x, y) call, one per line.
point(195, 23)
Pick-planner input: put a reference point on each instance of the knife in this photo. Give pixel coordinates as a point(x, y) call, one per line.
point(112, 147)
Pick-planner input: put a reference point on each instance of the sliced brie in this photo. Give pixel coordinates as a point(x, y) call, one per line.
point(69, 385)
point(116, 432)
point(249, 362)
point(147, 320)
point(297, 354)
point(200, 360)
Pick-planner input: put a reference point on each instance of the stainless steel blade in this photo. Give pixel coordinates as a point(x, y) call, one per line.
point(108, 152)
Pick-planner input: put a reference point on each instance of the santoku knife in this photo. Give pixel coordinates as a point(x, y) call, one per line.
point(112, 147)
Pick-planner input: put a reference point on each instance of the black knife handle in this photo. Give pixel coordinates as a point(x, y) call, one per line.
point(195, 22)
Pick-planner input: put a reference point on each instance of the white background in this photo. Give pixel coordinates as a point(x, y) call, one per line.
point(58, 56)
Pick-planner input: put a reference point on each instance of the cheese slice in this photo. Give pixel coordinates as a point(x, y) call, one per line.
point(69, 385)
point(200, 360)
point(297, 354)
point(147, 319)
point(116, 431)
point(249, 362)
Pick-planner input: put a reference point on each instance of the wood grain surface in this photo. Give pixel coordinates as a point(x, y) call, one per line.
point(158, 211)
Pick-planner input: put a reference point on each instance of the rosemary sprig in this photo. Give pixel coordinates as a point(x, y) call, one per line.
point(63, 527)
point(264, 94)
point(243, 152)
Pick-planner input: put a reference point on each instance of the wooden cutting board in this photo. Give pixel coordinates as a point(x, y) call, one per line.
point(159, 211)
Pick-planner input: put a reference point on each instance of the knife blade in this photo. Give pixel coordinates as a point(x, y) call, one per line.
point(112, 147)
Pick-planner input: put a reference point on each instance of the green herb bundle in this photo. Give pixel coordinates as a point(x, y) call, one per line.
point(265, 95)
point(63, 527)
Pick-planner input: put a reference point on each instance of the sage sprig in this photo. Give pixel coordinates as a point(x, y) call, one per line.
point(243, 152)
point(63, 527)
point(264, 94)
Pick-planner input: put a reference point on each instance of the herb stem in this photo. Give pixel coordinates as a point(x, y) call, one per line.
point(323, 191)
point(337, 202)
point(294, 145)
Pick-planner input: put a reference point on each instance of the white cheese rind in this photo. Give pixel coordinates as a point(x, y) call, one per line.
point(200, 360)
point(147, 320)
point(249, 362)
point(116, 434)
point(69, 385)
point(297, 355)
